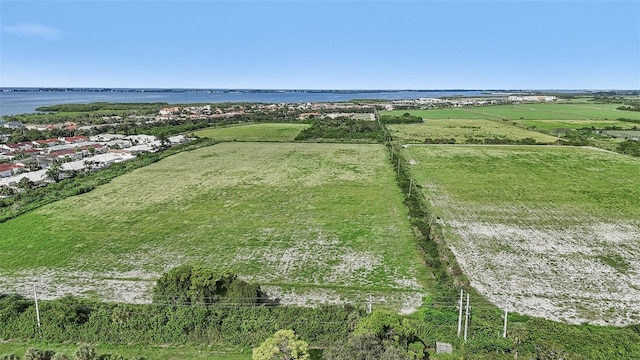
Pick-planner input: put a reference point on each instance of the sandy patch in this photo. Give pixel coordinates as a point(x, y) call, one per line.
point(575, 274)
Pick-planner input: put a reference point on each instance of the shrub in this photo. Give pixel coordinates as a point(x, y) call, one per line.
point(191, 285)
point(85, 352)
point(37, 354)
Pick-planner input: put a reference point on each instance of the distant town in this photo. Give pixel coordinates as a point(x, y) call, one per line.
point(30, 162)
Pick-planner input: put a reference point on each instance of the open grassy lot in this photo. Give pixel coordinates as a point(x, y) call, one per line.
point(434, 114)
point(461, 130)
point(254, 132)
point(552, 231)
point(550, 111)
point(308, 221)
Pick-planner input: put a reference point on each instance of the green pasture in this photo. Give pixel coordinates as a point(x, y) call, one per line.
point(438, 114)
point(553, 230)
point(544, 111)
point(254, 132)
point(576, 180)
point(306, 218)
point(461, 130)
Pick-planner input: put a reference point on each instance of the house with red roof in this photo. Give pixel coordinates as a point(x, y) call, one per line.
point(25, 145)
point(47, 143)
point(7, 170)
point(73, 154)
point(75, 139)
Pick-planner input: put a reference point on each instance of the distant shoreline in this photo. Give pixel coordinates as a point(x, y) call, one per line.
point(311, 91)
point(25, 100)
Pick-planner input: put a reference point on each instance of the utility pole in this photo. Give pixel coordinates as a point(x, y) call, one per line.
point(410, 186)
point(369, 305)
point(466, 320)
point(504, 331)
point(398, 165)
point(460, 313)
point(35, 296)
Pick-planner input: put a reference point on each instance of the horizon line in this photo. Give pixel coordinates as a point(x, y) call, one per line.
point(310, 89)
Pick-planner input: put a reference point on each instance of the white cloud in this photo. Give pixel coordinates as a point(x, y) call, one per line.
point(35, 30)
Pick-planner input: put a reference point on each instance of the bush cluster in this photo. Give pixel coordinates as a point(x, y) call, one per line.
point(406, 118)
point(83, 352)
point(343, 129)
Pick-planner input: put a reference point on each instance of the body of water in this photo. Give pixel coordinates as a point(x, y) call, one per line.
point(25, 102)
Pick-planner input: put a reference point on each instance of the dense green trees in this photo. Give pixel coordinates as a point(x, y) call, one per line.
point(406, 118)
point(105, 107)
point(629, 147)
point(237, 325)
point(343, 129)
point(630, 106)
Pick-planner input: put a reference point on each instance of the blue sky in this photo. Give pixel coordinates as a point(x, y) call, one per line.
point(478, 44)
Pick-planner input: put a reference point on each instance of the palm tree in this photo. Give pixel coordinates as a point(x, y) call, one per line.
point(6, 191)
point(25, 183)
point(54, 171)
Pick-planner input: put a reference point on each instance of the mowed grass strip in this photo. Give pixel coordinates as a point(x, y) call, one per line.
point(461, 130)
point(550, 111)
point(299, 214)
point(254, 132)
point(551, 230)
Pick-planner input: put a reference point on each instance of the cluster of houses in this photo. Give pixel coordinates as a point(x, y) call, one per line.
point(206, 111)
point(32, 159)
point(196, 112)
point(430, 103)
point(10, 125)
point(531, 98)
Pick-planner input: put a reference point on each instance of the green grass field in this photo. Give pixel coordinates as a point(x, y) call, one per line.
point(462, 130)
point(545, 111)
point(551, 230)
point(254, 132)
point(308, 221)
